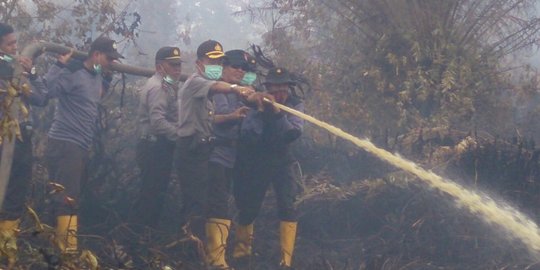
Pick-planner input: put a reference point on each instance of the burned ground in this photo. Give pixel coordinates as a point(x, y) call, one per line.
point(355, 211)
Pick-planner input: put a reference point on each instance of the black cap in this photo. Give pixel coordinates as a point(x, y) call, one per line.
point(236, 58)
point(211, 49)
point(106, 46)
point(171, 54)
point(278, 75)
point(5, 29)
point(240, 58)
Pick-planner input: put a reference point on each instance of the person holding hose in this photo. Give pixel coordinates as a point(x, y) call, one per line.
point(230, 109)
point(264, 159)
point(78, 86)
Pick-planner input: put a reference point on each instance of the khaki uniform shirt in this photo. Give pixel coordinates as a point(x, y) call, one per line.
point(158, 110)
point(195, 109)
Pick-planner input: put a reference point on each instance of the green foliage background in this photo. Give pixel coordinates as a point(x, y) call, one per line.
point(386, 67)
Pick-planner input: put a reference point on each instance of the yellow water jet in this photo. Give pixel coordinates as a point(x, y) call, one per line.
point(515, 223)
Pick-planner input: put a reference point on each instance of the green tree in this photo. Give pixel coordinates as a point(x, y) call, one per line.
point(392, 65)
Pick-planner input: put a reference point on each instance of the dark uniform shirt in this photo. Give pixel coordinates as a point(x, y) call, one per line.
point(226, 133)
point(272, 131)
point(78, 91)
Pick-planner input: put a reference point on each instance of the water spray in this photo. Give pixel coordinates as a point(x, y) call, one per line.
point(507, 218)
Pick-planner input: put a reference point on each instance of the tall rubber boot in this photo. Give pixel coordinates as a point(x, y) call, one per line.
point(287, 233)
point(217, 231)
point(243, 241)
point(66, 233)
point(8, 239)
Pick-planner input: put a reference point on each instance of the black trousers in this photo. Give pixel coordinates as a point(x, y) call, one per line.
point(155, 160)
point(192, 166)
point(67, 163)
point(254, 173)
point(20, 177)
point(219, 191)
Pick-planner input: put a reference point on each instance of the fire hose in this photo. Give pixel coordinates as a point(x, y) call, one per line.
point(32, 51)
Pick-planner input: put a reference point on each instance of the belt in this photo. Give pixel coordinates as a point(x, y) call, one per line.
point(198, 140)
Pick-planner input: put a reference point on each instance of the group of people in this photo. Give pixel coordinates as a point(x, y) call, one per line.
point(222, 137)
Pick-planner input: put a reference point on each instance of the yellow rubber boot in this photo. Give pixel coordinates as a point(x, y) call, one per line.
point(217, 231)
point(8, 237)
point(66, 233)
point(287, 233)
point(243, 240)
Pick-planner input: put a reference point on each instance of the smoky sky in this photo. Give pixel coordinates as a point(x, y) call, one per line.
point(186, 24)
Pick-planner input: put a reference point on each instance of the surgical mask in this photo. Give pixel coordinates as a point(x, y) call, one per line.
point(249, 78)
point(97, 68)
point(6, 58)
point(168, 79)
point(213, 72)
